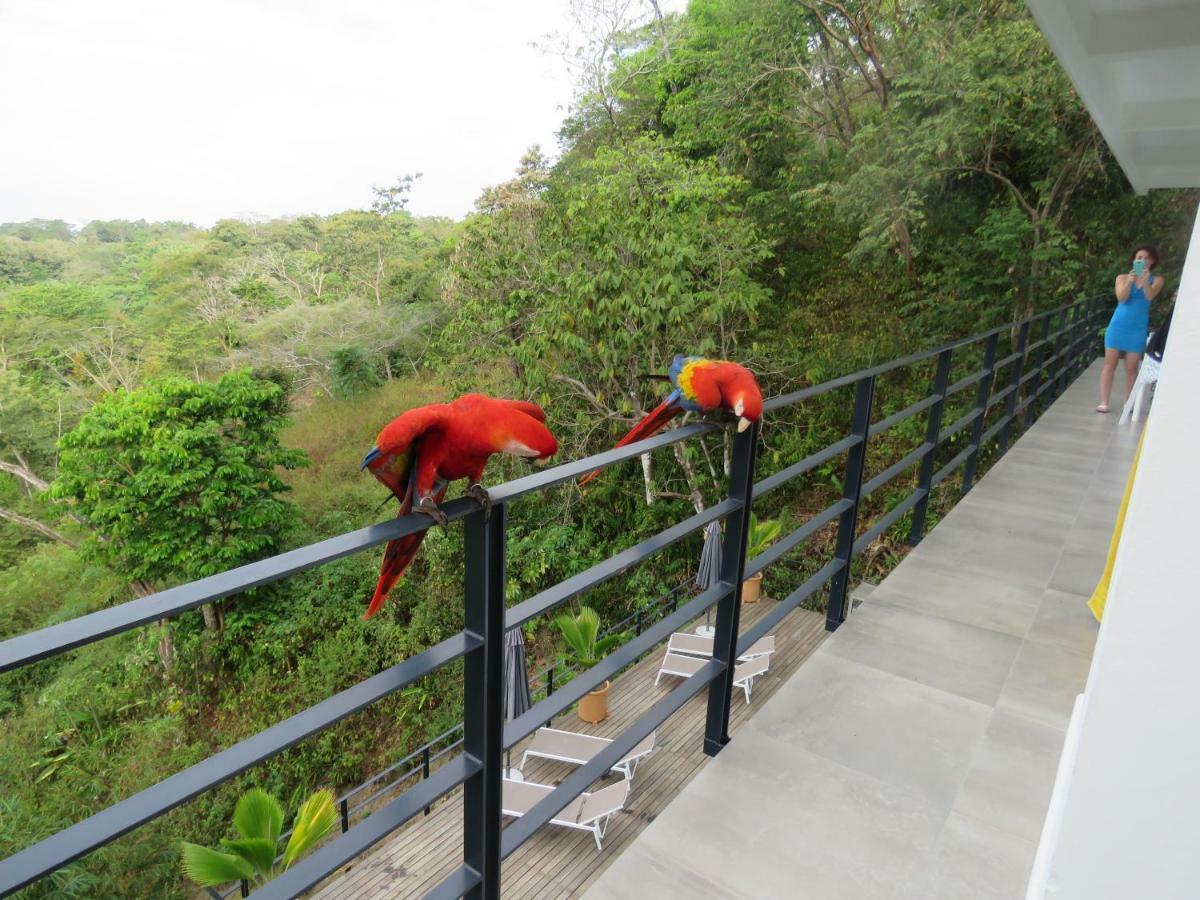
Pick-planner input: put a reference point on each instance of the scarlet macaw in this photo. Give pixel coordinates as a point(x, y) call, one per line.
point(701, 385)
point(418, 453)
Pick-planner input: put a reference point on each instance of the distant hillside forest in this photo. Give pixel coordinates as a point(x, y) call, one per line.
point(806, 187)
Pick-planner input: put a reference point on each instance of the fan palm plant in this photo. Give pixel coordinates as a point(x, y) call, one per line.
point(584, 647)
point(258, 818)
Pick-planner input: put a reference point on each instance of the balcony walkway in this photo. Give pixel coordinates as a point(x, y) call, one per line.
point(561, 862)
point(914, 754)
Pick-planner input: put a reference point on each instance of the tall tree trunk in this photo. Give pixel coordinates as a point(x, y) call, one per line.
point(648, 478)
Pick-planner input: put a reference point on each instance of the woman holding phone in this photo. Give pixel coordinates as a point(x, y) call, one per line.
point(1126, 332)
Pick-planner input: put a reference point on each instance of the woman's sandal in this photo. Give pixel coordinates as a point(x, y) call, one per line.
point(1102, 408)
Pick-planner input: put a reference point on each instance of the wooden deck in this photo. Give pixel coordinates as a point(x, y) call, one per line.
point(561, 862)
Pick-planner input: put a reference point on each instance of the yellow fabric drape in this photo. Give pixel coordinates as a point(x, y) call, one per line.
point(1100, 594)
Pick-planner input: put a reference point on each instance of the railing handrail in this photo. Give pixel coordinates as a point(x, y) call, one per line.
point(485, 734)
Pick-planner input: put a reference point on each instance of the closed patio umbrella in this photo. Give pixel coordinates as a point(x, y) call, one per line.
point(516, 682)
point(708, 573)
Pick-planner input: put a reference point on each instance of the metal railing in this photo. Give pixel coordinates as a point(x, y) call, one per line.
point(1066, 341)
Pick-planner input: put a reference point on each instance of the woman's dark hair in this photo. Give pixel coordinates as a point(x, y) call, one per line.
point(1149, 248)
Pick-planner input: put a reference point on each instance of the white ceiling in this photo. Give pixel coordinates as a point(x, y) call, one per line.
point(1136, 65)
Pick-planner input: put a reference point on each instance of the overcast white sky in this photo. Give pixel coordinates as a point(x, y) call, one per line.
point(205, 110)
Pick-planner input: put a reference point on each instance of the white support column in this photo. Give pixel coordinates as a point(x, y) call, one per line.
point(1129, 788)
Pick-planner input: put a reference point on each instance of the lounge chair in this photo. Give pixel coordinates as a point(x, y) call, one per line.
point(697, 645)
point(744, 674)
point(587, 812)
point(580, 749)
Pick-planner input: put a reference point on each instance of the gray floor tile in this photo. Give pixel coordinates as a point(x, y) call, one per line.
point(1044, 683)
point(908, 735)
point(974, 861)
point(1008, 786)
point(1065, 620)
point(962, 659)
point(923, 584)
point(868, 831)
point(1079, 570)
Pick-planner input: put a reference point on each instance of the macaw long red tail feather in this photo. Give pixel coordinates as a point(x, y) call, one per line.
point(654, 422)
point(396, 558)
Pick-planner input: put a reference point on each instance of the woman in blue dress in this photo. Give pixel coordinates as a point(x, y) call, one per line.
point(1126, 332)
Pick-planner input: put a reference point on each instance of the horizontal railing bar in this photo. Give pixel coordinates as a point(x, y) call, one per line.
point(407, 759)
point(1030, 375)
point(456, 884)
point(578, 781)
point(329, 858)
point(390, 786)
point(74, 841)
point(961, 423)
point(896, 418)
point(785, 545)
point(767, 623)
point(796, 469)
point(1000, 396)
point(569, 471)
point(817, 390)
point(895, 469)
point(1011, 358)
point(994, 430)
point(27, 648)
point(963, 384)
point(544, 710)
point(889, 519)
point(945, 471)
point(548, 599)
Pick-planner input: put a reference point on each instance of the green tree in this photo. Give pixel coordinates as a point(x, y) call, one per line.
point(178, 480)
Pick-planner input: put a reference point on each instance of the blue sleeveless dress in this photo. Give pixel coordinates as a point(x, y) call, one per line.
point(1129, 323)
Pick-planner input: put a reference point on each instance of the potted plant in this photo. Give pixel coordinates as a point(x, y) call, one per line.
point(762, 535)
point(258, 818)
point(585, 648)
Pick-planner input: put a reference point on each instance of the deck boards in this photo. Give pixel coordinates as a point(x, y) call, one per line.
point(561, 862)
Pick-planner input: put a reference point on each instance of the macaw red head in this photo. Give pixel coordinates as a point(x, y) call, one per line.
point(741, 393)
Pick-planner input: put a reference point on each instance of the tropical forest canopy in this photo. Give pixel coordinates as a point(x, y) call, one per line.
point(807, 187)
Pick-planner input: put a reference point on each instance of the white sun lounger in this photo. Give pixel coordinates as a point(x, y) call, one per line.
point(580, 749)
point(696, 645)
point(587, 812)
point(687, 666)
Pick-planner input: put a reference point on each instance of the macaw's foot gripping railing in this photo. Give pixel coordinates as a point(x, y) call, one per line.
point(1048, 352)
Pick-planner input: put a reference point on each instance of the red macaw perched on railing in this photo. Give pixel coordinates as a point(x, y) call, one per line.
point(420, 452)
point(701, 385)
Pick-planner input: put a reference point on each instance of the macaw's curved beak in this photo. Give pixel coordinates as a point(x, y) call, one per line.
point(743, 424)
point(369, 458)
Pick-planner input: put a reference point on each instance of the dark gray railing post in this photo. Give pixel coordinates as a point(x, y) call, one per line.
point(1014, 383)
point(344, 809)
point(981, 398)
point(483, 701)
point(856, 462)
point(941, 379)
point(733, 568)
point(1036, 385)
point(425, 769)
point(1064, 342)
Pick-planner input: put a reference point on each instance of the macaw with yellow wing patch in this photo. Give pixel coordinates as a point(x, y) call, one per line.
point(420, 452)
point(701, 385)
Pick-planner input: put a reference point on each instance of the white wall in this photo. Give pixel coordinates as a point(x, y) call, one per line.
point(1130, 825)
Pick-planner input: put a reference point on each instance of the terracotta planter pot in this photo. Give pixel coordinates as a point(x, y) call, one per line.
point(593, 707)
point(751, 587)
